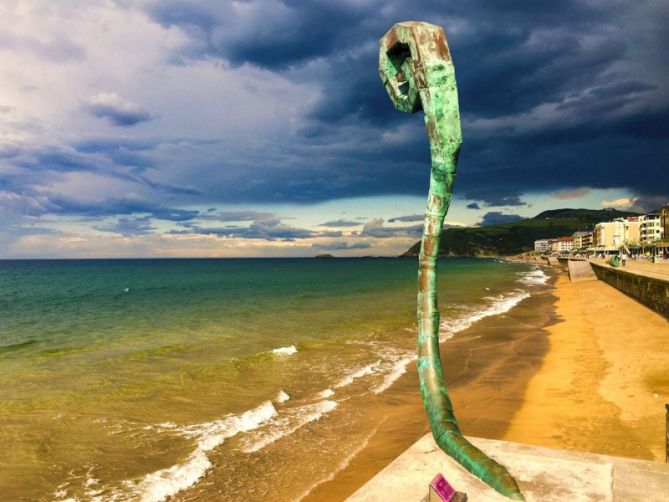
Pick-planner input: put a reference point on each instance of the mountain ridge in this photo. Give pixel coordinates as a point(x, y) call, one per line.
point(516, 237)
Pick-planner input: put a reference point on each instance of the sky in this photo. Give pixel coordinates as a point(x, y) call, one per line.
point(175, 128)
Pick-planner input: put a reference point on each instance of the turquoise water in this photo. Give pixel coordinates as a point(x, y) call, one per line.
point(122, 379)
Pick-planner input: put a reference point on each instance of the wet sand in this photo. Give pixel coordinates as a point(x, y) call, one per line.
point(487, 370)
point(604, 382)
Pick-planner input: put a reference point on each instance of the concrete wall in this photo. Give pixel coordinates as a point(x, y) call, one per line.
point(580, 270)
point(652, 292)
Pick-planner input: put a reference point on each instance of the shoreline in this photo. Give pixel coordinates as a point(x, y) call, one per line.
point(472, 362)
point(585, 393)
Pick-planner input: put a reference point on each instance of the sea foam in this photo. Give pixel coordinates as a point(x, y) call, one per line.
point(281, 397)
point(535, 277)
point(287, 423)
point(285, 351)
point(398, 369)
point(497, 305)
point(159, 485)
point(395, 363)
point(350, 378)
point(324, 394)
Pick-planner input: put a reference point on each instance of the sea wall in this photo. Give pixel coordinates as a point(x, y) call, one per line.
point(652, 292)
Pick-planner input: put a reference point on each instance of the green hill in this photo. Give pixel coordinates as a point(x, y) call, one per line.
point(590, 216)
point(518, 236)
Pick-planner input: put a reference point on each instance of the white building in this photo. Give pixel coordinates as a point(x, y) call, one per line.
point(562, 244)
point(542, 245)
point(650, 229)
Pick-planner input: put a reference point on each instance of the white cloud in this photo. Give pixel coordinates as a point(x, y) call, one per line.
point(124, 62)
point(622, 202)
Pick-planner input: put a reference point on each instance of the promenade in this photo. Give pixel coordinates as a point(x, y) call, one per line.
point(658, 270)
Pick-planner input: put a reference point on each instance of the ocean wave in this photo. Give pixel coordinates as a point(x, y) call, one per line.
point(17, 346)
point(285, 351)
point(281, 397)
point(350, 378)
point(286, 423)
point(398, 369)
point(324, 394)
point(498, 305)
point(395, 363)
point(535, 277)
point(93, 492)
point(161, 484)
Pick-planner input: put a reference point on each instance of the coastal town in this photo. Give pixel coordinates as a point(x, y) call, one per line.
point(641, 237)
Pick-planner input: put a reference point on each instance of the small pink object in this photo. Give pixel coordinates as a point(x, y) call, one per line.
point(442, 488)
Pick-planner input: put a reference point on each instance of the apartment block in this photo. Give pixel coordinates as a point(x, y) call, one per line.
point(582, 239)
point(613, 234)
point(542, 245)
point(562, 244)
point(651, 228)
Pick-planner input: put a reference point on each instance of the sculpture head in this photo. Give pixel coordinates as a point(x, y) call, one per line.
point(408, 53)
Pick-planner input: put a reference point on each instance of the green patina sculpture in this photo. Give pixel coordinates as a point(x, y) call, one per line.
point(417, 71)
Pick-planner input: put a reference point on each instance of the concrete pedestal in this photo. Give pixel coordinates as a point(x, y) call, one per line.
point(543, 474)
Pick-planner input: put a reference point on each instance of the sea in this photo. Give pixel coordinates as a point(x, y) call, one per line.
point(243, 379)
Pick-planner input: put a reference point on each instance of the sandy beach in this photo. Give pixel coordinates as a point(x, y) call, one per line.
point(590, 373)
point(605, 379)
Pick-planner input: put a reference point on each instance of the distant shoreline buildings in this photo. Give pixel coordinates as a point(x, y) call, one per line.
point(645, 234)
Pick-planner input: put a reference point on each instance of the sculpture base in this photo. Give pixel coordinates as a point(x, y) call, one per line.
point(543, 474)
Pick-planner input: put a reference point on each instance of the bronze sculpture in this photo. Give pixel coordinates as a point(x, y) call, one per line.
point(417, 71)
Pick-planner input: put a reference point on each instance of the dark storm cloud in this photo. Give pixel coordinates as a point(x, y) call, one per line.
point(376, 228)
point(265, 229)
point(117, 111)
point(224, 216)
point(341, 245)
point(588, 73)
point(496, 217)
point(473, 205)
point(118, 117)
point(269, 33)
point(340, 223)
point(30, 202)
point(128, 226)
point(600, 153)
point(555, 96)
point(494, 198)
point(407, 218)
point(650, 203)
point(121, 151)
point(120, 158)
point(62, 205)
